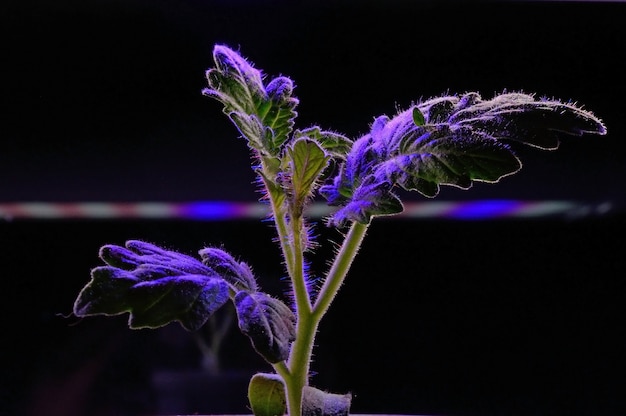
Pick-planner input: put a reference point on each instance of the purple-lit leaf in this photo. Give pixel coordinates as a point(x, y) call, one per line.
point(368, 199)
point(106, 293)
point(238, 274)
point(450, 140)
point(268, 322)
point(153, 285)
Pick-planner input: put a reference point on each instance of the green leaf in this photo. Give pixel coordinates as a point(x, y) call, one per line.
point(335, 144)
point(266, 394)
point(263, 113)
point(268, 322)
point(274, 189)
point(418, 117)
point(306, 161)
point(251, 129)
point(234, 81)
point(278, 111)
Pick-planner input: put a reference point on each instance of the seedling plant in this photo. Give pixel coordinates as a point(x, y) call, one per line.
point(452, 140)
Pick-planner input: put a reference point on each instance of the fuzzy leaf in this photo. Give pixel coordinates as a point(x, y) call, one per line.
point(153, 285)
point(251, 129)
point(280, 116)
point(335, 144)
point(268, 322)
point(234, 81)
point(306, 161)
point(450, 140)
point(236, 273)
point(369, 198)
point(263, 113)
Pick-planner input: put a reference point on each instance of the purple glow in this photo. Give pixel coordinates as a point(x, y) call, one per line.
point(224, 210)
point(211, 210)
point(484, 209)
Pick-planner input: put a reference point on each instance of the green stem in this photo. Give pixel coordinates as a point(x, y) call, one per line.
point(301, 350)
point(282, 233)
point(290, 230)
point(295, 373)
point(299, 362)
point(308, 320)
point(298, 278)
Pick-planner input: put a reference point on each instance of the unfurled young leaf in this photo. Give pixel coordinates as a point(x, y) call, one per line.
point(234, 82)
point(268, 322)
point(305, 162)
point(280, 115)
point(452, 140)
point(153, 285)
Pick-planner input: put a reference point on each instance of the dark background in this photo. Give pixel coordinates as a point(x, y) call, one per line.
point(102, 103)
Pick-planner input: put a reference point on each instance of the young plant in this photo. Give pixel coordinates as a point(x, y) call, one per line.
point(449, 140)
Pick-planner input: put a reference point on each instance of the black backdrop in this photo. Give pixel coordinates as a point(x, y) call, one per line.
point(102, 103)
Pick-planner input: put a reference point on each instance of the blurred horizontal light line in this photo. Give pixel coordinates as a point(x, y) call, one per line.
point(225, 210)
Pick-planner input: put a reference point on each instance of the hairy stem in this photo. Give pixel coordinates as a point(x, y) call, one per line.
point(282, 232)
point(308, 319)
point(297, 275)
point(299, 359)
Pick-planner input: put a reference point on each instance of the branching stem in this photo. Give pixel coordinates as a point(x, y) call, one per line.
point(295, 375)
